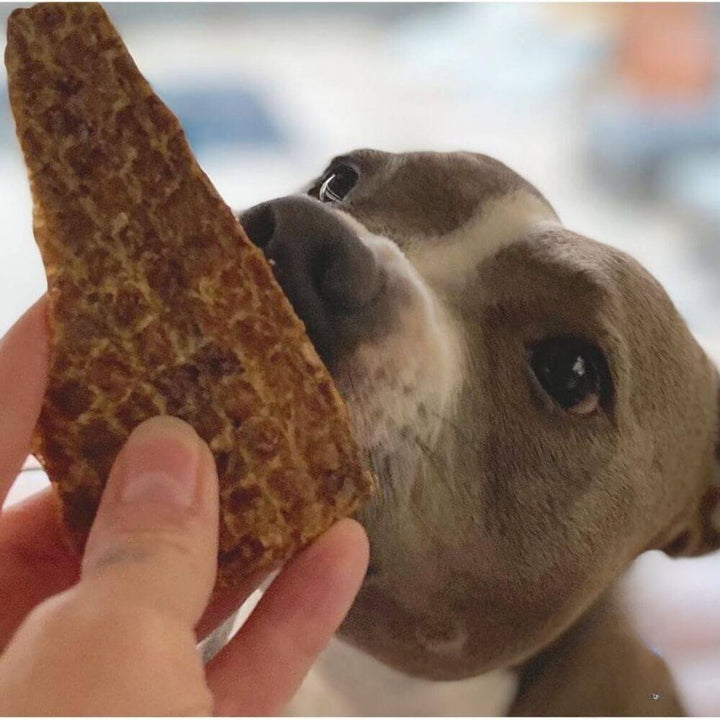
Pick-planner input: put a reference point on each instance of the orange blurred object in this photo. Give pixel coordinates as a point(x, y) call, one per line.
point(666, 50)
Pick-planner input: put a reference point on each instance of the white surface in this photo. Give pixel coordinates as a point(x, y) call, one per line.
point(30, 481)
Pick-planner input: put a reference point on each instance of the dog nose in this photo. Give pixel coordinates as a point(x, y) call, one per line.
point(259, 224)
point(322, 266)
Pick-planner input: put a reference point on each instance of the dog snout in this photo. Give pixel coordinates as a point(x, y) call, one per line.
point(259, 224)
point(323, 267)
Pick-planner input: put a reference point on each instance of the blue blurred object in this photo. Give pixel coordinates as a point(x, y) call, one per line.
point(211, 116)
point(7, 126)
point(691, 185)
point(631, 142)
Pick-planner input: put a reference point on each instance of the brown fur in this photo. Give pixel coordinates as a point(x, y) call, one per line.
point(503, 522)
point(599, 669)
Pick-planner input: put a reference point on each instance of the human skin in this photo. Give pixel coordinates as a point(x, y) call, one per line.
point(115, 632)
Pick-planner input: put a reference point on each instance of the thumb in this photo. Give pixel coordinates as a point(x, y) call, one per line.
point(154, 540)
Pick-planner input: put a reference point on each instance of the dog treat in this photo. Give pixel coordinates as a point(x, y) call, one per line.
point(159, 304)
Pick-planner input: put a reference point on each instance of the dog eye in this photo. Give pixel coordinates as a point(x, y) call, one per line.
point(337, 183)
point(573, 373)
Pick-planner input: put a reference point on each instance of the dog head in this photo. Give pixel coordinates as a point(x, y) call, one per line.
point(535, 410)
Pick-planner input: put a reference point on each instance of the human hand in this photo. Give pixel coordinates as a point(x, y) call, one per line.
point(116, 633)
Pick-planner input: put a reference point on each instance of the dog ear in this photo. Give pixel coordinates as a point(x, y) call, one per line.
point(703, 533)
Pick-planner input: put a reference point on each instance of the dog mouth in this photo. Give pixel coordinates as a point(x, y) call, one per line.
point(370, 318)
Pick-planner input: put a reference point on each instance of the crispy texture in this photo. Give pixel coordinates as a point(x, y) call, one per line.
point(158, 303)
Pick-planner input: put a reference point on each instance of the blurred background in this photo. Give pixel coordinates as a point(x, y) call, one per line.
point(613, 111)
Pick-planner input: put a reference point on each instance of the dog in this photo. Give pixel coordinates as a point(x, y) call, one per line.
point(534, 408)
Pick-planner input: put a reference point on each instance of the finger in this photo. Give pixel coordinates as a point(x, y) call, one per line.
point(23, 376)
point(154, 540)
point(35, 560)
point(263, 666)
point(35, 556)
point(224, 602)
point(232, 602)
point(33, 527)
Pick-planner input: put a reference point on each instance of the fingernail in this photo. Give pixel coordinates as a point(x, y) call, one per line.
point(161, 464)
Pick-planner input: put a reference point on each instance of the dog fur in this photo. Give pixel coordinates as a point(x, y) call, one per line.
point(504, 522)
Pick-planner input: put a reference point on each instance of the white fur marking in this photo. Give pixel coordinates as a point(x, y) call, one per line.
point(451, 259)
point(448, 645)
point(426, 354)
point(346, 681)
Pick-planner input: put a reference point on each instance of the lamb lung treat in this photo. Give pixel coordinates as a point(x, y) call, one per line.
point(159, 304)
